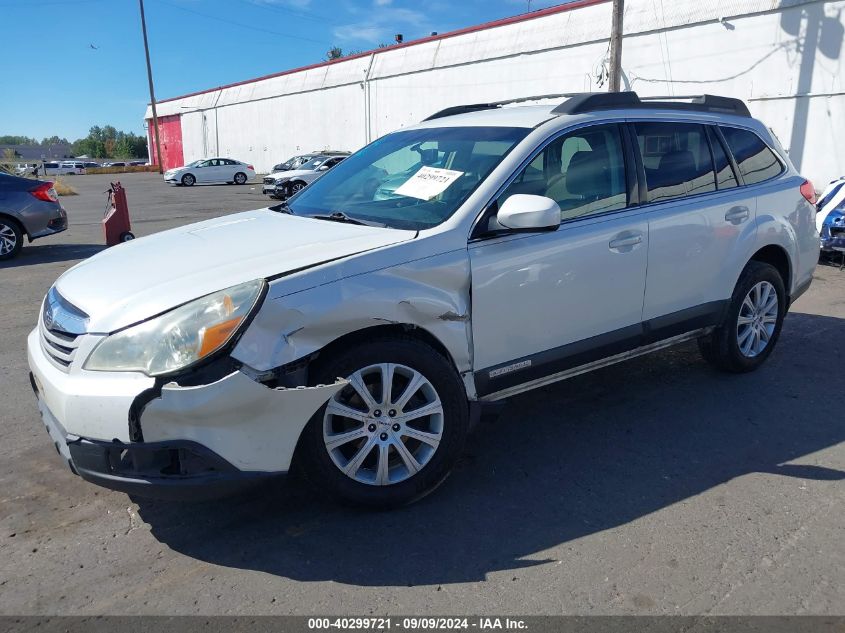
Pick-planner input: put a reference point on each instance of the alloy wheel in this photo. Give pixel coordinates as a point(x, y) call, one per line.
point(757, 319)
point(8, 239)
point(385, 425)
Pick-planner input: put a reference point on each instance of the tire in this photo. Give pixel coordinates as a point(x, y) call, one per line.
point(127, 236)
point(383, 429)
point(750, 330)
point(188, 180)
point(240, 178)
point(11, 238)
point(297, 186)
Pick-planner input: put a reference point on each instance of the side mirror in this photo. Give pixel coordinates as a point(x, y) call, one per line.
point(524, 212)
point(323, 168)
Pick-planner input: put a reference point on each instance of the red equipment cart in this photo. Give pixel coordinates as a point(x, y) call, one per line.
point(116, 226)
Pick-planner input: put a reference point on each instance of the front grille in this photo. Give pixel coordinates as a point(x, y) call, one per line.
point(269, 181)
point(59, 346)
point(61, 327)
point(837, 231)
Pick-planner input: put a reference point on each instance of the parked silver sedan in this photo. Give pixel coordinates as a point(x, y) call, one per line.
point(284, 184)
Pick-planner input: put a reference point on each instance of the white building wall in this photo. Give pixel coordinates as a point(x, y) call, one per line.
point(783, 57)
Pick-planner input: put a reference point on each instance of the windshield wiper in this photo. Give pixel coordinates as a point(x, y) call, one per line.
point(340, 216)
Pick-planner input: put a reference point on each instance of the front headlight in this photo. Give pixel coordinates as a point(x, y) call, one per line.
point(281, 181)
point(178, 338)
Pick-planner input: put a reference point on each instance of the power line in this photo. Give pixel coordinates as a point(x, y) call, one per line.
point(242, 25)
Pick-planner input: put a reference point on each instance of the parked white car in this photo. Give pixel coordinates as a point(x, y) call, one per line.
point(358, 337)
point(211, 170)
point(64, 168)
point(283, 184)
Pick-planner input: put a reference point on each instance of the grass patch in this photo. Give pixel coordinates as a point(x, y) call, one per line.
point(121, 170)
point(62, 188)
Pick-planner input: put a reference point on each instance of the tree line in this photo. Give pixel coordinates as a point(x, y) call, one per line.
point(101, 142)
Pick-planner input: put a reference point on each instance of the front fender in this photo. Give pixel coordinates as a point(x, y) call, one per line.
point(431, 293)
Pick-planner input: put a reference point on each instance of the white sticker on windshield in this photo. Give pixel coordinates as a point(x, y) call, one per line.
point(428, 182)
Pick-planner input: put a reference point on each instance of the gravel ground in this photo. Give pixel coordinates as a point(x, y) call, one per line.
point(657, 486)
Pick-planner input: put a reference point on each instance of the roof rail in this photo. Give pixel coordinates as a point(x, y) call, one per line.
point(461, 109)
point(590, 101)
point(475, 107)
point(705, 102)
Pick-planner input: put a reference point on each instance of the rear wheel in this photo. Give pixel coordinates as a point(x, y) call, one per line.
point(752, 324)
point(394, 432)
point(127, 236)
point(11, 238)
point(240, 178)
point(188, 180)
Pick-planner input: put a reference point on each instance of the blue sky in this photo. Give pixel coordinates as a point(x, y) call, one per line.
point(54, 82)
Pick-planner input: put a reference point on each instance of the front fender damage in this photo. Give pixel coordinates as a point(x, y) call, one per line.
point(252, 426)
point(431, 294)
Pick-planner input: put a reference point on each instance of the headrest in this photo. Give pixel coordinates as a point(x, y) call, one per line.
point(587, 174)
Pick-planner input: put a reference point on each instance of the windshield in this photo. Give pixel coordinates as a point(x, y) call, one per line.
point(409, 180)
point(194, 164)
point(313, 163)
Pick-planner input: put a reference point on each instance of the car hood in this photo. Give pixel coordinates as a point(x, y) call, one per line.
point(131, 282)
point(291, 173)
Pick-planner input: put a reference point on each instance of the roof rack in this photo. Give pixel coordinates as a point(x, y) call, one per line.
point(580, 102)
point(591, 101)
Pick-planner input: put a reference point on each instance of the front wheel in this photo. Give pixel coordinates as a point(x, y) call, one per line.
point(297, 187)
point(752, 324)
point(394, 432)
point(188, 180)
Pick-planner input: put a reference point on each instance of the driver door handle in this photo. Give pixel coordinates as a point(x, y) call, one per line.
point(737, 215)
point(627, 241)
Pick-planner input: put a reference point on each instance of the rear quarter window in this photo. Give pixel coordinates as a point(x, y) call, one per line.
point(756, 160)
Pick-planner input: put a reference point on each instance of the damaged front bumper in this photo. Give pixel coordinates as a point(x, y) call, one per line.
point(197, 441)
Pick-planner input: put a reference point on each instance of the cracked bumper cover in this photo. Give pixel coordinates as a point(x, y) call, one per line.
point(199, 441)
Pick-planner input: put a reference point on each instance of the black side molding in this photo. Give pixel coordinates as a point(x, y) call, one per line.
point(522, 370)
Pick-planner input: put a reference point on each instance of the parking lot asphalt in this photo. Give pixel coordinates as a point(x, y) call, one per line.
point(656, 486)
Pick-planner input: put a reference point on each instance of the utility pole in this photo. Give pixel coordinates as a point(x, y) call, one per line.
point(616, 46)
point(152, 92)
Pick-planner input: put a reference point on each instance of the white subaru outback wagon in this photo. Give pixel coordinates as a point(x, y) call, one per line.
point(356, 331)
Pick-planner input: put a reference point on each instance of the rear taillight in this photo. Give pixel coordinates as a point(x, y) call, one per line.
point(251, 167)
point(45, 192)
point(808, 191)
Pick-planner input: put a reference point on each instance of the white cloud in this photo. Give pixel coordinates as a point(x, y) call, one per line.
point(382, 24)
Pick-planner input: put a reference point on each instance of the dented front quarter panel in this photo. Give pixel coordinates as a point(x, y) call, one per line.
point(252, 426)
point(431, 293)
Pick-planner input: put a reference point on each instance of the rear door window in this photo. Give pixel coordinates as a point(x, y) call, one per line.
point(756, 160)
point(676, 158)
